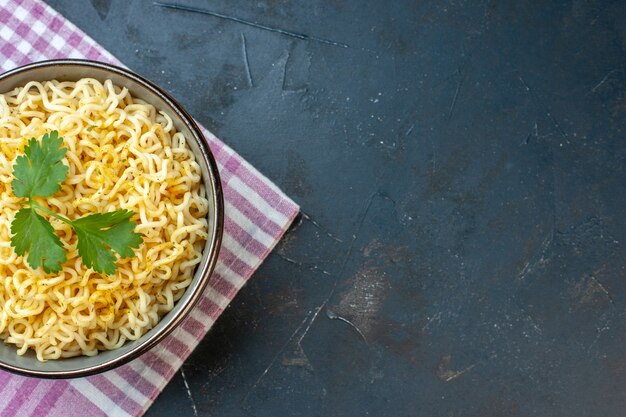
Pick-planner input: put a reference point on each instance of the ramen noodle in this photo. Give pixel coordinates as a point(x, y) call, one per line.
point(122, 153)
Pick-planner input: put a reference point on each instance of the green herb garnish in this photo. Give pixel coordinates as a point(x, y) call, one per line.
point(39, 173)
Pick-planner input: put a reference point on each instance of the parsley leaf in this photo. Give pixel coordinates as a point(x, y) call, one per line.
point(99, 232)
point(35, 235)
point(39, 171)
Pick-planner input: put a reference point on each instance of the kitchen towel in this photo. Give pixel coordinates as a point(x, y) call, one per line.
point(257, 214)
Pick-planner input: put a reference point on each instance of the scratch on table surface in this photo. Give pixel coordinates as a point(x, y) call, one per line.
point(535, 259)
point(285, 71)
point(317, 312)
point(599, 332)
point(343, 265)
point(302, 265)
point(456, 96)
point(603, 289)
point(525, 270)
point(370, 201)
point(447, 375)
point(334, 316)
point(312, 315)
point(193, 403)
point(535, 134)
point(345, 134)
point(308, 217)
point(409, 130)
point(283, 87)
point(246, 62)
point(436, 316)
point(606, 77)
point(276, 356)
point(534, 96)
point(434, 157)
point(291, 34)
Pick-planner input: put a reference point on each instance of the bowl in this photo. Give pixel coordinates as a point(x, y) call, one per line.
point(139, 87)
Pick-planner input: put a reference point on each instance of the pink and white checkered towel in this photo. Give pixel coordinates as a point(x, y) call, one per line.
point(257, 214)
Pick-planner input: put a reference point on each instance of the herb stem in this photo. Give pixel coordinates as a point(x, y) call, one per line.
point(50, 212)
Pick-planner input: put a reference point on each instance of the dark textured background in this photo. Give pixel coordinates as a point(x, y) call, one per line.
point(467, 156)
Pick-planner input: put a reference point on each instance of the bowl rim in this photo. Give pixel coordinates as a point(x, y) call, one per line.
point(217, 225)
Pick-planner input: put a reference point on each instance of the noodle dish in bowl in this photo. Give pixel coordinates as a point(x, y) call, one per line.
point(110, 221)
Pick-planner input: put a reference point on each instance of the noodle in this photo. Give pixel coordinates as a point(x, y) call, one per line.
point(122, 154)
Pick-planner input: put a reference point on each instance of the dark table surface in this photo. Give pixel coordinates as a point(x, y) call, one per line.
point(463, 162)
